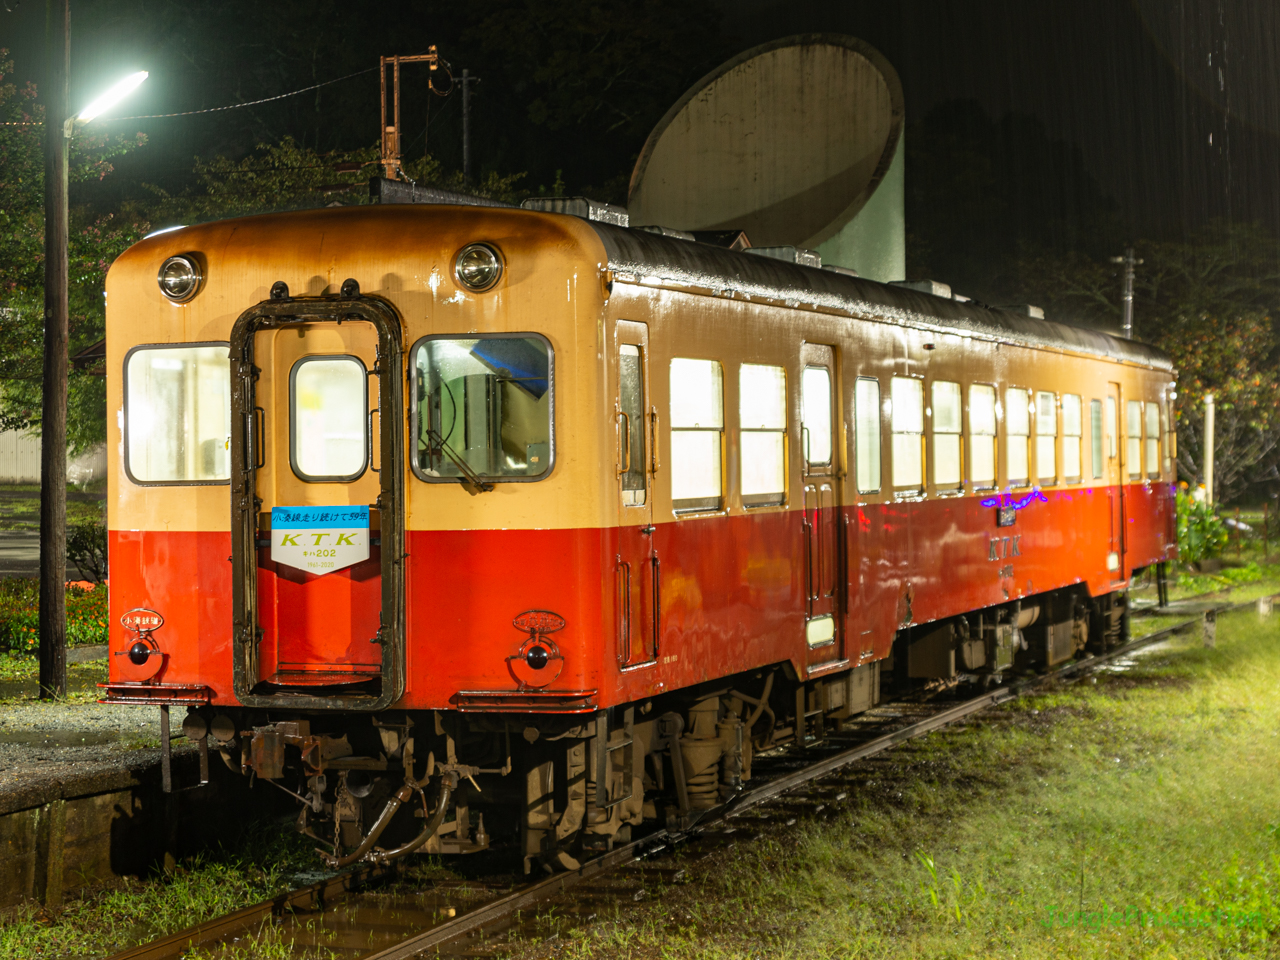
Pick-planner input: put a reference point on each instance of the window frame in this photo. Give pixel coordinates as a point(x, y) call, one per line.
point(293, 420)
point(949, 488)
point(1098, 441)
point(879, 438)
point(1150, 463)
point(1053, 395)
point(921, 488)
point(1077, 438)
point(1028, 480)
point(994, 436)
point(412, 454)
point(181, 345)
point(698, 505)
point(755, 501)
point(1133, 465)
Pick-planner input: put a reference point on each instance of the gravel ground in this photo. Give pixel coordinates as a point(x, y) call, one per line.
point(51, 750)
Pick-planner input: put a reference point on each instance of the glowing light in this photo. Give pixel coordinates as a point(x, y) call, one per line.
point(112, 96)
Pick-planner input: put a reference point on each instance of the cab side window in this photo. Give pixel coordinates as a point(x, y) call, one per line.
point(866, 400)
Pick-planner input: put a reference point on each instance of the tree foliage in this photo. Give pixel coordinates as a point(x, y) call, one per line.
point(1210, 303)
point(95, 240)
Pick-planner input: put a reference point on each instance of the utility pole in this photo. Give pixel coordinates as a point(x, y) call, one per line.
point(1129, 262)
point(391, 131)
point(53, 415)
point(466, 82)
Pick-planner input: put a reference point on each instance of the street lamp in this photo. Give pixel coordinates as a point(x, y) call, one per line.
point(59, 126)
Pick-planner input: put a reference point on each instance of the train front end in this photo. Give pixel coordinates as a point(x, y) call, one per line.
point(335, 496)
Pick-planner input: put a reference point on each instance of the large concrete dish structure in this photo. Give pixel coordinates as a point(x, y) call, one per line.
point(798, 142)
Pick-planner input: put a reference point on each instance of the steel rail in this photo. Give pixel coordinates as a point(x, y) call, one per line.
point(495, 911)
point(303, 898)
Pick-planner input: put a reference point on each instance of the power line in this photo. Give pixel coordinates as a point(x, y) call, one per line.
point(251, 103)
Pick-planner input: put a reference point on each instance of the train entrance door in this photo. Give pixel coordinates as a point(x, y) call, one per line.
point(819, 404)
point(317, 504)
point(637, 571)
point(1114, 472)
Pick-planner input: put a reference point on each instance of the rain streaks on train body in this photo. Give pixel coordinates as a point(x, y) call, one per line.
point(589, 512)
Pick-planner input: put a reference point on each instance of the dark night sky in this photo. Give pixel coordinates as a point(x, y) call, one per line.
point(1174, 105)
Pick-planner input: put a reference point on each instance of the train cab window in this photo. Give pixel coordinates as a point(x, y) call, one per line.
point(1170, 437)
point(815, 396)
point(1046, 437)
point(1095, 437)
point(1133, 439)
point(328, 403)
point(1071, 429)
point(1153, 440)
point(866, 401)
point(697, 419)
point(945, 402)
point(982, 435)
point(907, 424)
point(762, 419)
point(482, 408)
point(177, 414)
point(631, 470)
point(1017, 422)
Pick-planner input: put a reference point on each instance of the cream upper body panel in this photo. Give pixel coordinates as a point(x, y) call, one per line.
point(552, 285)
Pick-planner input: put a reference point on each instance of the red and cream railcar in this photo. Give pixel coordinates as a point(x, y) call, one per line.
point(586, 513)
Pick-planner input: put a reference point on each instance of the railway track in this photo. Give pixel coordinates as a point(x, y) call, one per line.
point(352, 915)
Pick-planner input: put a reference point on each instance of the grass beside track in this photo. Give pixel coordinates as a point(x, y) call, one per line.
point(1132, 815)
point(136, 912)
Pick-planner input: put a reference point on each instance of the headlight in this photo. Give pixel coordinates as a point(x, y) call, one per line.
point(478, 266)
point(179, 278)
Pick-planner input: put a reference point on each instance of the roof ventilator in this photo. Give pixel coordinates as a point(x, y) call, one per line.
point(805, 258)
point(932, 287)
point(1024, 310)
point(582, 207)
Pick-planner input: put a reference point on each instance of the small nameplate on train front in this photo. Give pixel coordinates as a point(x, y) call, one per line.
point(319, 540)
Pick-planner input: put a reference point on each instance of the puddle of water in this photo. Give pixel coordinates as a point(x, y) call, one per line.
point(59, 738)
point(31, 688)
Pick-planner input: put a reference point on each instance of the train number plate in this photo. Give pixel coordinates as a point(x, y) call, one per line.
point(319, 540)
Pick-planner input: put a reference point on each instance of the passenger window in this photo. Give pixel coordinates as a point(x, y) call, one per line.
point(866, 400)
point(762, 419)
point(697, 419)
point(1153, 440)
point(982, 435)
point(1095, 437)
point(177, 424)
point(1046, 437)
point(328, 403)
point(907, 424)
point(1017, 423)
point(1133, 439)
point(945, 399)
point(1071, 428)
point(631, 469)
point(483, 408)
point(1170, 439)
point(816, 416)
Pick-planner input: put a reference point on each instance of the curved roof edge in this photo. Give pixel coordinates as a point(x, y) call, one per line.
point(876, 58)
point(702, 265)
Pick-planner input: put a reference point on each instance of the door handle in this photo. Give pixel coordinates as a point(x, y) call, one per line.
point(257, 428)
point(626, 443)
point(377, 410)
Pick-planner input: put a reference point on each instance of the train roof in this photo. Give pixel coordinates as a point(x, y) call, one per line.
point(688, 263)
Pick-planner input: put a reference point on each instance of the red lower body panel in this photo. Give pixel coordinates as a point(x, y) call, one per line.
point(734, 592)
